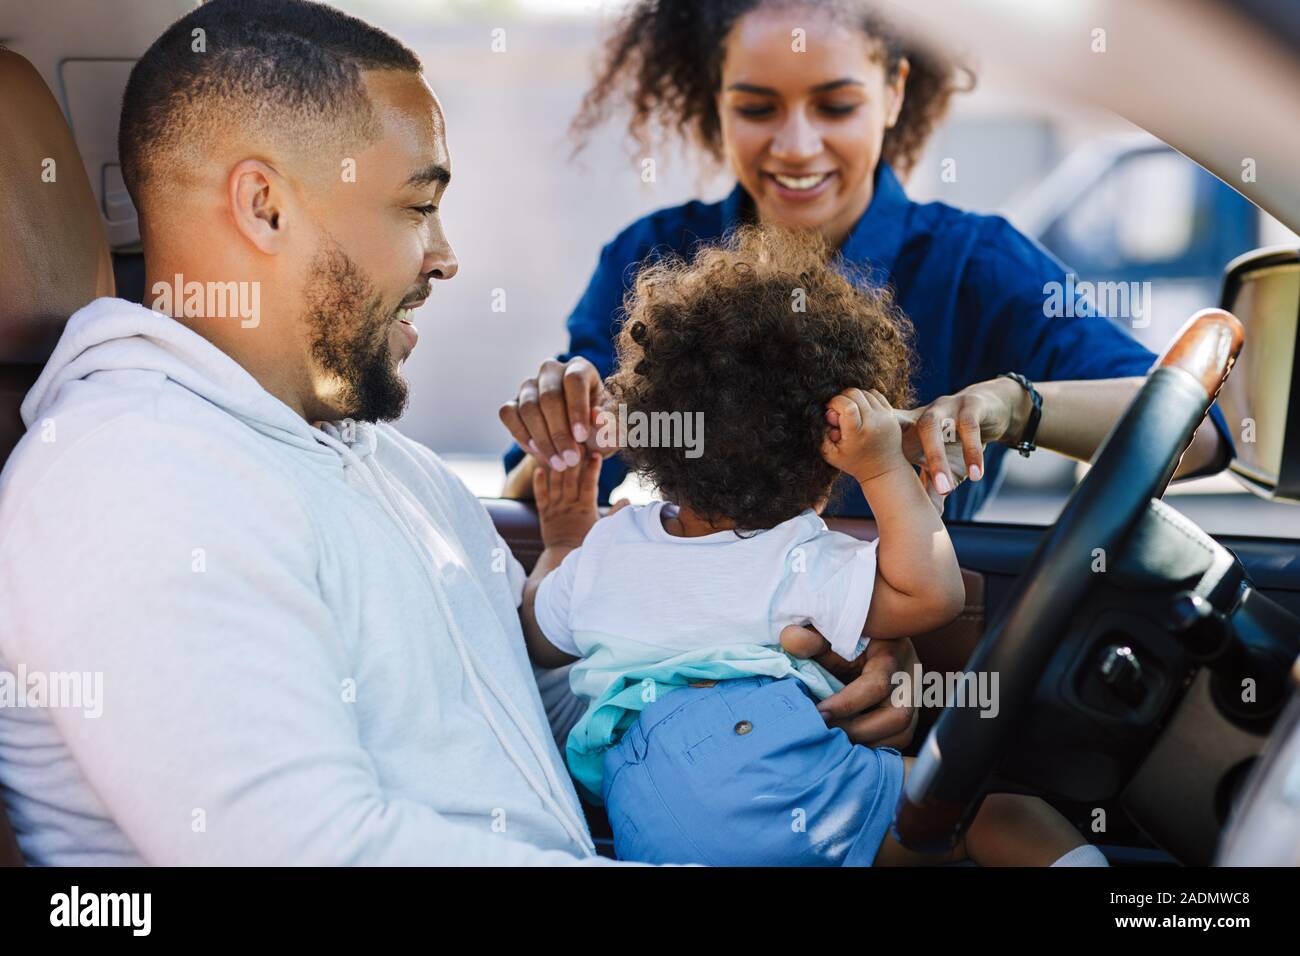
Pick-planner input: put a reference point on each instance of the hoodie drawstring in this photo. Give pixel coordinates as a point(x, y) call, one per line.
point(478, 677)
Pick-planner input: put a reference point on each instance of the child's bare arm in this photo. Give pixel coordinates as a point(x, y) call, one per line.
point(918, 582)
point(541, 651)
point(566, 509)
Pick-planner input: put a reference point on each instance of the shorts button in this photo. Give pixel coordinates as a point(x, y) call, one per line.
point(744, 727)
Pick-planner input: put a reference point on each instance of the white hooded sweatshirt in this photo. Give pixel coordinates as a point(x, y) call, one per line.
point(307, 637)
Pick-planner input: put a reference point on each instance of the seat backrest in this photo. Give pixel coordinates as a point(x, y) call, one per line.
point(54, 255)
point(53, 251)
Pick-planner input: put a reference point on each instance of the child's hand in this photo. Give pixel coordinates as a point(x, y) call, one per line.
point(566, 502)
point(864, 438)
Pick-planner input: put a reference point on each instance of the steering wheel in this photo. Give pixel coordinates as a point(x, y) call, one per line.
point(1134, 465)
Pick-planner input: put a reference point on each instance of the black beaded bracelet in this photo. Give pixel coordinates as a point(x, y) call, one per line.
point(1026, 443)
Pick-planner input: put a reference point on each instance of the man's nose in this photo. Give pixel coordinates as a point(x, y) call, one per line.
point(441, 263)
point(797, 139)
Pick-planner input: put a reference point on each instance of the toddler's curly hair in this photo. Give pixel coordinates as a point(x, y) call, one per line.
point(757, 333)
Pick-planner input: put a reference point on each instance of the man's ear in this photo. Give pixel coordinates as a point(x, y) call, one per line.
point(256, 194)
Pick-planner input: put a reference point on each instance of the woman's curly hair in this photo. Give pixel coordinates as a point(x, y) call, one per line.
point(665, 57)
point(756, 334)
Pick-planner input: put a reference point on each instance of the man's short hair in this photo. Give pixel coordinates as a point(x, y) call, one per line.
point(288, 69)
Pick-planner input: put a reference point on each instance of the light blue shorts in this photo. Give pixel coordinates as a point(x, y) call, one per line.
point(746, 773)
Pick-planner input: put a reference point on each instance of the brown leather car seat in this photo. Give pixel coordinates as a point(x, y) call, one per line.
point(54, 254)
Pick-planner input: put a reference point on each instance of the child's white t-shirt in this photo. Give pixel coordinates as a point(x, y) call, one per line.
point(633, 580)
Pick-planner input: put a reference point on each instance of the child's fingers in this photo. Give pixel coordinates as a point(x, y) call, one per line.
point(859, 399)
point(875, 407)
point(833, 420)
point(618, 506)
point(541, 487)
point(849, 408)
point(569, 479)
point(589, 479)
point(848, 411)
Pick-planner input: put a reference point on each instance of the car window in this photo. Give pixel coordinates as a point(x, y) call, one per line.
point(1142, 213)
point(1157, 219)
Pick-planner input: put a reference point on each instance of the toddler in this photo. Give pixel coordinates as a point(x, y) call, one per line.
point(689, 617)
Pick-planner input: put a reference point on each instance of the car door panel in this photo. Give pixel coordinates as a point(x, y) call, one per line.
point(991, 556)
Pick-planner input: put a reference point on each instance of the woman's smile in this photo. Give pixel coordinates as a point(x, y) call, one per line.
point(800, 188)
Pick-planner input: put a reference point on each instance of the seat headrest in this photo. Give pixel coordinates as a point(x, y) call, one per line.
point(53, 249)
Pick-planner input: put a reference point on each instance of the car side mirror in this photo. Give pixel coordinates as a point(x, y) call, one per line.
point(1261, 400)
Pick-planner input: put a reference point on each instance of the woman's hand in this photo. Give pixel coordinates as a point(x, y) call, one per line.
point(863, 709)
point(1076, 418)
point(947, 437)
point(555, 416)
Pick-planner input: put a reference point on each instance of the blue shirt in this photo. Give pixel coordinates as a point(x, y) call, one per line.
point(972, 286)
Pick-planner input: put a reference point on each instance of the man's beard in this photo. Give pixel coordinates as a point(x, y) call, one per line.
point(350, 330)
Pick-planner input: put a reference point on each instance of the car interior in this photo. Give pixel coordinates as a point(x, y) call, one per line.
point(1149, 684)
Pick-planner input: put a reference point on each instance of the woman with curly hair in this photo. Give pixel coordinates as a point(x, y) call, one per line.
point(818, 109)
point(701, 737)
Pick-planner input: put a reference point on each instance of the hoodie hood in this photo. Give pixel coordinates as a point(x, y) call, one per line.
point(116, 335)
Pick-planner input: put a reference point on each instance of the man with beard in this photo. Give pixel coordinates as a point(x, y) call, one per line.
point(306, 626)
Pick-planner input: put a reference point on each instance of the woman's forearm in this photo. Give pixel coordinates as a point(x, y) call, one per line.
point(1078, 415)
point(519, 480)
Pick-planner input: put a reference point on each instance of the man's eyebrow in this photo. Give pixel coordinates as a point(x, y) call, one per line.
point(433, 173)
point(819, 88)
